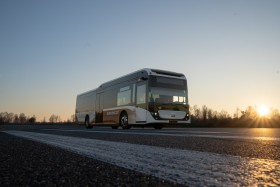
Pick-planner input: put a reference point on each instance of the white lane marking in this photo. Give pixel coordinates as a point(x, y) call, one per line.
point(186, 167)
point(209, 132)
point(177, 135)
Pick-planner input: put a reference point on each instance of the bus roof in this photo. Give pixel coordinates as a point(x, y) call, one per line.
point(142, 72)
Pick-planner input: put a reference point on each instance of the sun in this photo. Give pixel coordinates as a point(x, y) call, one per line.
point(263, 111)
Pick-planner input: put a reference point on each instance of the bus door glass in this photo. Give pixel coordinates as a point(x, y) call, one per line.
point(141, 102)
point(99, 108)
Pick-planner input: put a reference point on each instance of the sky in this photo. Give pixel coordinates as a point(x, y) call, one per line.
point(50, 51)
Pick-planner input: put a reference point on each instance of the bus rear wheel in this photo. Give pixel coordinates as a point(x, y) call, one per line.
point(87, 124)
point(124, 121)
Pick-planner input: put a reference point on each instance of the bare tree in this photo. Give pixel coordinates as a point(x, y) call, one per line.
point(196, 111)
point(210, 114)
point(10, 117)
point(204, 112)
point(16, 118)
point(215, 114)
point(73, 119)
point(274, 114)
point(54, 118)
point(224, 115)
point(32, 119)
point(236, 114)
point(22, 118)
point(2, 117)
point(6, 117)
point(249, 113)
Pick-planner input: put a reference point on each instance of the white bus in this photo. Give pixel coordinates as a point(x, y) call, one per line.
point(146, 97)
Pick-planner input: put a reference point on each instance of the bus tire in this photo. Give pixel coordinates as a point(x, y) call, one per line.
point(87, 124)
point(124, 121)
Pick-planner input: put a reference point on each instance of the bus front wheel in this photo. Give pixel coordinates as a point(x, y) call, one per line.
point(124, 121)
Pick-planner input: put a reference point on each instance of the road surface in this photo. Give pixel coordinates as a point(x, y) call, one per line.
point(66, 155)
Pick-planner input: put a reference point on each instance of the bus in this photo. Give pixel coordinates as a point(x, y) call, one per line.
point(147, 97)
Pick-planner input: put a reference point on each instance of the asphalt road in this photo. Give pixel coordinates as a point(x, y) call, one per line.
point(70, 155)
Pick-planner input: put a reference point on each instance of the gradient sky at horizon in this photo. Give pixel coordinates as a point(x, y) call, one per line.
point(50, 51)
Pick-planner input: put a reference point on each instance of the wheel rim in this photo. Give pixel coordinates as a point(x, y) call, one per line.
point(124, 121)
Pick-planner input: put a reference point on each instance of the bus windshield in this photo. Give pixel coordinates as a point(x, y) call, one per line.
point(167, 96)
point(166, 82)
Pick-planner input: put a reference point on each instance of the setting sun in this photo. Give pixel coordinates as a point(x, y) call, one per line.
point(263, 111)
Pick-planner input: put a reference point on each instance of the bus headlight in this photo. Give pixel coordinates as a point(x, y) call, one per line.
point(155, 115)
point(187, 117)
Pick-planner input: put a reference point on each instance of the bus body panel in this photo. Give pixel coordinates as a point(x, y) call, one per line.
point(140, 116)
point(112, 115)
point(171, 114)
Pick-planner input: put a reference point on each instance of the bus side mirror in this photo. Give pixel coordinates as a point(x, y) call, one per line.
point(144, 78)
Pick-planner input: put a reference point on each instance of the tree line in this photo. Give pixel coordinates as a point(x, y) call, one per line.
point(9, 117)
point(6, 117)
point(207, 117)
point(200, 117)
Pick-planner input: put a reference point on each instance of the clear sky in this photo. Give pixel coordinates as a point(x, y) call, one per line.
point(51, 50)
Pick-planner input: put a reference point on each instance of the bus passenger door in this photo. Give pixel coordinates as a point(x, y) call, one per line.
point(141, 102)
point(99, 108)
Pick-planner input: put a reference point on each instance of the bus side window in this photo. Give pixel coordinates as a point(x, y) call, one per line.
point(124, 96)
point(141, 94)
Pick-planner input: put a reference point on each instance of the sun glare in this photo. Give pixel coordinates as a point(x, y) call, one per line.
point(263, 111)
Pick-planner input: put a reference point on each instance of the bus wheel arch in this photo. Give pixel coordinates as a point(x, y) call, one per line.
point(87, 123)
point(124, 120)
